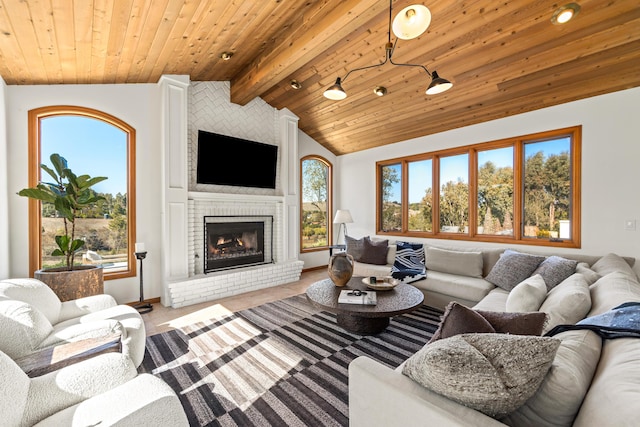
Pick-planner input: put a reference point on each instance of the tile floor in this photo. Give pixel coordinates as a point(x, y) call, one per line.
point(163, 319)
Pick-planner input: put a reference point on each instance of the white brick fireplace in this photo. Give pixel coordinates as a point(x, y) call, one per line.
point(188, 107)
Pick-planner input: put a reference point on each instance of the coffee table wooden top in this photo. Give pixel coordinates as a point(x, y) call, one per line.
point(399, 300)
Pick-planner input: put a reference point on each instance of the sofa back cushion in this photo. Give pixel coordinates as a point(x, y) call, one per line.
point(34, 292)
point(22, 328)
point(611, 263)
point(557, 401)
point(612, 290)
point(567, 303)
point(454, 262)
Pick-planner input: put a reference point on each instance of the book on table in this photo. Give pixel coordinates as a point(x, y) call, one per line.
point(354, 296)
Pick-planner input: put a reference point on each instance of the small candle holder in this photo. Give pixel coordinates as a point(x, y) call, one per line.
point(142, 306)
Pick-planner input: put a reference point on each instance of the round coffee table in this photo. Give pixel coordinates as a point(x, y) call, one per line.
point(365, 319)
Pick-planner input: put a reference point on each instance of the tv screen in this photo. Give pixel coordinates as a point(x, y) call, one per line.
point(226, 160)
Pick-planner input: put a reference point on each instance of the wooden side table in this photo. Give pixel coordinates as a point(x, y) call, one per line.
point(53, 358)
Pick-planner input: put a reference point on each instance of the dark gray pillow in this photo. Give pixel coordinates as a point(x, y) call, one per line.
point(355, 247)
point(374, 252)
point(512, 268)
point(555, 269)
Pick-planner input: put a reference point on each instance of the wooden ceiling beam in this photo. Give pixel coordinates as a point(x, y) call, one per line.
point(325, 26)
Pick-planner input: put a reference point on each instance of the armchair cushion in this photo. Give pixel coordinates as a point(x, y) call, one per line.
point(81, 306)
point(14, 391)
point(83, 331)
point(22, 328)
point(34, 292)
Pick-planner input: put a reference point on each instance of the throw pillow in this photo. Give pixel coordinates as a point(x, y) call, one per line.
point(568, 302)
point(454, 262)
point(355, 247)
point(491, 373)
point(558, 399)
point(459, 319)
point(528, 295)
point(584, 269)
point(512, 268)
point(555, 269)
point(374, 251)
point(409, 263)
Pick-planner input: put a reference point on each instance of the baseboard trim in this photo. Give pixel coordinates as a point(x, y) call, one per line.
point(148, 301)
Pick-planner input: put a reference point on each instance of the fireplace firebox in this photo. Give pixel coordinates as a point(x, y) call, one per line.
point(237, 241)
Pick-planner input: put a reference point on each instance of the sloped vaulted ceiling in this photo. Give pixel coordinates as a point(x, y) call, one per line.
point(504, 57)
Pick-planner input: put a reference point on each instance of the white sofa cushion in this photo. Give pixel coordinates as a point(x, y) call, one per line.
point(528, 295)
point(458, 287)
point(611, 263)
point(22, 328)
point(584, 269)
point(612, 290)
point(568, 302)
point(454, 262)
point(557, 401)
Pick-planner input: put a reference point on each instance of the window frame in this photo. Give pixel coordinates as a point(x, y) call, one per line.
point(518, 143)
point(328, 164)
point(35, 118)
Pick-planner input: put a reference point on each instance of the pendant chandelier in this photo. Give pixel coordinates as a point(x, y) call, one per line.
point(408, 24)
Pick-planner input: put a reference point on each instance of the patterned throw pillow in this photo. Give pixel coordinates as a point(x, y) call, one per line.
point(512, 268)
point(409, 263)
point(491, 373)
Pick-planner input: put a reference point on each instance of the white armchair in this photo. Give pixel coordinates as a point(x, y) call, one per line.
point(33, 318)
point(104, 390)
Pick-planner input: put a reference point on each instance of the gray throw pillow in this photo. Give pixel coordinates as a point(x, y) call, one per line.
point(491, 373)
point(374, 251)
point(555, 269)
point(355, 247)
point(512, 268)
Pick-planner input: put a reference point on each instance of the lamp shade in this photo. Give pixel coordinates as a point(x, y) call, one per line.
point(335, 92)
point(343, 216)
point(411, 21)
point(438, 84)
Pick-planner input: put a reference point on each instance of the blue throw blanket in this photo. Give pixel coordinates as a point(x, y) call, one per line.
point(622, 321)
point(409, 263)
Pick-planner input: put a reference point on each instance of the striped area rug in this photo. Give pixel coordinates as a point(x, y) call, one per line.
point(280, 364)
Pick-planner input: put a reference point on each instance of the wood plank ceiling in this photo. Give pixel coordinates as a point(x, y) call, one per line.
point(504, 57)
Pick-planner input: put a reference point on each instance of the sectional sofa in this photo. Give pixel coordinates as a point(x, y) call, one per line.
point(591, 381)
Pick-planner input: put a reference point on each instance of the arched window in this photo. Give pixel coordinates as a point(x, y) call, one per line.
point(96, 144)
point(316, 204)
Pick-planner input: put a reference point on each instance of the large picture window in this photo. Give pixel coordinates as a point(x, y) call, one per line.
point(96, 144)
point(315, 207)
point(519, 190)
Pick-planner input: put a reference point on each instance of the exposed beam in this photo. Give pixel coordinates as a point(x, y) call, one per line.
point(322, 27)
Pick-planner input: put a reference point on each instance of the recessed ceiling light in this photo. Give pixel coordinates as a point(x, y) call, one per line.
point(295, 84)
point(226, 56)
point(380, 90)
point(565, 13)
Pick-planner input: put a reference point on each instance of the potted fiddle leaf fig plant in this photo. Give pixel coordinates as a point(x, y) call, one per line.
point(69, 194)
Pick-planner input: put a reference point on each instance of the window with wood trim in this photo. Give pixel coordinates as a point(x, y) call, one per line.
point(97, 144)
point(521, 190)
point(316, 229)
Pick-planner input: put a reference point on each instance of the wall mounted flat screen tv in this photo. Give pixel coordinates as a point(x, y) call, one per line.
point(226, 160)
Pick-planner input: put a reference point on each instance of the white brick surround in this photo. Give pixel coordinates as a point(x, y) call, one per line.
point(209, 109)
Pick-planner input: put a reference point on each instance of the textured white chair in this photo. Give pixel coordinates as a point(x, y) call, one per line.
point(102, 391)
point(33, 318)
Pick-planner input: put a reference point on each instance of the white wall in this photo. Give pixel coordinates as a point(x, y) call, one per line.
point(139, 106)
point(610, 167)
point(306, 147)
point(4, 196)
